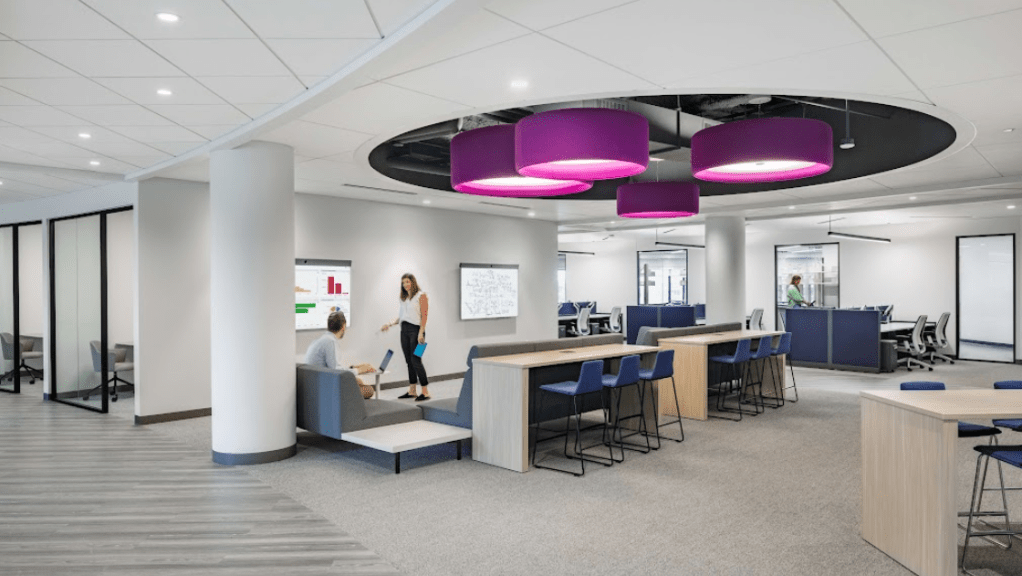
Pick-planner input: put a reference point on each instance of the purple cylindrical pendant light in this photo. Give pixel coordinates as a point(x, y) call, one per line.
point(483, 162)
point(763, 150)
point(582, 144)
point(658, 200)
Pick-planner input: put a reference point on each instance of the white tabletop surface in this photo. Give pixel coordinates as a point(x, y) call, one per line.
point(954, 404)
point(407, 436)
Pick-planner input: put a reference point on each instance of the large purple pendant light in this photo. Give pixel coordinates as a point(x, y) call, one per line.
point(483, 162)
point(763, 150)
point(657, 200)
point(582, 144)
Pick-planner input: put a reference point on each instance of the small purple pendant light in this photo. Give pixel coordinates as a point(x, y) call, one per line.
point(483, 163)
point(658, 200)
point(763, 150)
point(582, 144)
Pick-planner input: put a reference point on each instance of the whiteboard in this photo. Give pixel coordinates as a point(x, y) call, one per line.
point(321, 287)
point(489, 291)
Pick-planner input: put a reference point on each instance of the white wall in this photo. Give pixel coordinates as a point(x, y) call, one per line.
point(383, 241)
point(915, 272)
point(30, 277)
point(120, 270)
point(172, 352)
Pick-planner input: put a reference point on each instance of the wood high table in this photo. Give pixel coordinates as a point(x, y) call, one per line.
point(909, 474)
point(692, 369)
point(500, 398)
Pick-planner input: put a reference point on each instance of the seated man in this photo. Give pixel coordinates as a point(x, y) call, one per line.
point(323, 352)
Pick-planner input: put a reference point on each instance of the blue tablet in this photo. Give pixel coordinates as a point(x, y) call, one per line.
point(420, 349)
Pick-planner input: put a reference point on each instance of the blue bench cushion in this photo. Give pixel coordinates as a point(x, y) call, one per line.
point(966, 430)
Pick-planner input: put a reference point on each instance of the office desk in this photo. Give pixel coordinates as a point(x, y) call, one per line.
point(897, 326)
point(500, 399)
point(592, 318)
point(909, 473)
point(692, 369)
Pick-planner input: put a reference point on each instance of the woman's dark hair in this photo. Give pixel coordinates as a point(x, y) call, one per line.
point(336, 321)
point(415, 287)
point(795, 277)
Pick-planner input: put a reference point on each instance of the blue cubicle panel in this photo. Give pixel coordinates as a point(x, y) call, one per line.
point(855, 338)
point(566, 309)
point(700, 311)
point(809, 334)
point(677, 316)
point(639, 316)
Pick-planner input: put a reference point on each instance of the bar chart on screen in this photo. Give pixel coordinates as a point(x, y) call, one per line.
point(321, 287)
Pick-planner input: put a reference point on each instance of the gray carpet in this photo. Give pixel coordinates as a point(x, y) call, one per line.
point(775, 494)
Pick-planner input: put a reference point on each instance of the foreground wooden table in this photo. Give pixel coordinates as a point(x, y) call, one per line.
point(692, 369)
point(500, 399)
point(909, 446)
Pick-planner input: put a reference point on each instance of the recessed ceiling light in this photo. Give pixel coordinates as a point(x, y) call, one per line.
point(1012, 207)
point(791, 207)
point(1, 183)
point(164, 92)
point(532, 214)
point(427, 202)
point(652, 159)
point(912, 197)
point(167, 17)
point(84, 135)
point(93, 162)
point(1009, 129)
point(519, 84)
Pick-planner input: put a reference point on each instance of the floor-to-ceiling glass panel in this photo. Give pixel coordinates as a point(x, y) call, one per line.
point(986, 298)
point(9, 375)
point(819, 268)
point(77, 306)
point(30, 300)
point(663, 277)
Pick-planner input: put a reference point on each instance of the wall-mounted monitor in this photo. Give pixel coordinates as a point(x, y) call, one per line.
point(321, 287)
point(489, 291)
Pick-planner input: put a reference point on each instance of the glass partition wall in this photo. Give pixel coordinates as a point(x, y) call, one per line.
point(986, 298)
point(80, 362)
point(10, 376)
point(819, 267)
point(20, 362)
point(663, 276)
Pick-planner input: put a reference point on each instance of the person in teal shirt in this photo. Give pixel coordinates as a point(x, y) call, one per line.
point(795, 299)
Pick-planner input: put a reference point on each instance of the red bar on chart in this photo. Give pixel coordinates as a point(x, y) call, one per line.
point(338, 289)
point(329, 284)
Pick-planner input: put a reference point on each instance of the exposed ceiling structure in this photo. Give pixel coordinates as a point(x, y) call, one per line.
point(247, 68)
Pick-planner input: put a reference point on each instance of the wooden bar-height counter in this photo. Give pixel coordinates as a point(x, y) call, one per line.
point(692, 369)
point(500, 398)
point(910, 474)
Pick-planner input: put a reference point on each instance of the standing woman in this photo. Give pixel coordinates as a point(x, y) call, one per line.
point(414, 310)
point(795, 298)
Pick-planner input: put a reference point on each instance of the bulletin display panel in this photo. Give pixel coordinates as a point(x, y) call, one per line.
point(489, 291)
point(321, 287)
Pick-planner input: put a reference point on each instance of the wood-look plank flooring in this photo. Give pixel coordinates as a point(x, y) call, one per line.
point(90, 494)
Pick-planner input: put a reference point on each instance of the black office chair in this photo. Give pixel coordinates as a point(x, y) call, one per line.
point(937, 340)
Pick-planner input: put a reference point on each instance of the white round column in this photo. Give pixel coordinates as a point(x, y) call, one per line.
point(725, 269)
point(252, 268)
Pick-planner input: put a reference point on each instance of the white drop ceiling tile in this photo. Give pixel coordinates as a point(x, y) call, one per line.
point(143, 161)
point(174, 148)
point(70, 134)
point(220, 57)
point(54, 20)
point(649, 38)
point(920, 177)
point(9, 98)
point(199, 18)
point(106, 58)
point(256, 110)
point(311, 57)
point(144, 90)
point(966, 51)
point(47, 181)
point(37, 116)
point(17, 61)
point(54, 148)
point(393, 14)
point(825, 191)
point(1006, 158)
point(342, 158)
point(317, 140)
point(107, 165)
point(483, 78)
point(63, 91)
point(885, 18)
point(8, 154)
point(380, 107)
point(127, 115)
point(8, 195)
point(861, 68)
point(967, 157)
point(476, 31)
point(307, 18)
point(254, 90)
point(540, 14)
point(16, 185)
point(156, 134)
point(213, 132)
point(200, 115)
point(323, 171)
point(117, 149)
point(992, 105)
point(738, 200)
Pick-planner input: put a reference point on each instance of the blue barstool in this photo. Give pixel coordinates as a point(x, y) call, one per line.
point(590, 381)
point(758, 359)
point(967, 430)
point(783, 348)
point(627, 375)
point(735, 363)
point(1014, 424)
point(1010, 455)
point(663, 368)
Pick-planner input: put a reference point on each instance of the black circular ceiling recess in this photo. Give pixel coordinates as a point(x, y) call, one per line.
point(886, 137)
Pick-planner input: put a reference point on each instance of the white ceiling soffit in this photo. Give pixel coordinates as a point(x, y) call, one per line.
point(431, 22)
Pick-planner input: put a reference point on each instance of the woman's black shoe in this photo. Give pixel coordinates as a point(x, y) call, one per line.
point(406, 395)
point(420, 398)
